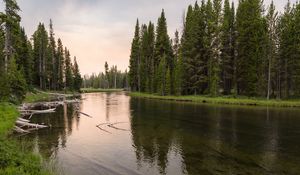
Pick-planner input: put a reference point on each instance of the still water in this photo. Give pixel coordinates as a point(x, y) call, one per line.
point(159, 137)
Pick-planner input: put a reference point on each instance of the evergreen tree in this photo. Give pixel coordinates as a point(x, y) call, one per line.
point(77, 80)
point(40, 54)
point(143, 72)
point(163, 48)
point(228, 53)
point(134, 60)
point(16, 81)
point(252, 37)
point(272, 46)
point(11, 19)
point(52, 56)
point(60, 65)
point(68, 71)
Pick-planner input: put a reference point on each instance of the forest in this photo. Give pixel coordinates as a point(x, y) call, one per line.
point(112, 78)
point(39, 61)
point(252, 50)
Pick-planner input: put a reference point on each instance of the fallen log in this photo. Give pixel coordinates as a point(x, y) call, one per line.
point(23, 124)
point(20, 130)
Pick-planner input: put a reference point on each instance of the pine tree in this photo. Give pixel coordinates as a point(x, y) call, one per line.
point(52, 56)
point(77, 80)
point(228, 53)
point(214, 45)
point(160, 77)
point(11, 19)
point(134, 60)
point(16, 81)
point(144, 59)
point(251, 28)
point(68, 71)
point(106, 67)
point(40, 51)
point(60, 65)
point(163, 48)
point(272, 45)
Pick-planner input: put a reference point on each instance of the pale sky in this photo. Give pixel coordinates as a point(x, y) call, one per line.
point(96, 31)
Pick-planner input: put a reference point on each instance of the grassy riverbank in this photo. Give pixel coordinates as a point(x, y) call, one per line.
point(223, 100)
point(15, 159)
point(92, 90)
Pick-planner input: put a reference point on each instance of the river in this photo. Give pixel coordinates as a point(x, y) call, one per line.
point(152, 137)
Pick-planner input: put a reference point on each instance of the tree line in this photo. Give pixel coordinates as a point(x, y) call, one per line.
point(222, 50)
point(112, 78)
point(39, 61)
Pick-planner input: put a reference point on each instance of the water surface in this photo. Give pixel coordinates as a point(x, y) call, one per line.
point(160, 137)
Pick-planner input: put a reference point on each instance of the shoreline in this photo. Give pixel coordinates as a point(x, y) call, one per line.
point(222, 100)
point(92, 90)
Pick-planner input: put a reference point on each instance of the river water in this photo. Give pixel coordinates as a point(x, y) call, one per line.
point(160, 137)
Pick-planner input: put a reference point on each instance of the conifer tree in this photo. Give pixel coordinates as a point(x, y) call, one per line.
point(52, 56)
point(228, 53)
point(60, 65)
point(76, 76)
point(272, 45)
point(163, 48)
point(252, 37)
point(134, 60)
point(68, 71)
point(144, 58)
point(11, 19)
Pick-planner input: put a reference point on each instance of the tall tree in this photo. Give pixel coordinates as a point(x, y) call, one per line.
point(272, 19)
point(228, 50)
point(163, 49)
point(11, 19)
point(134, 59)
point(60, 65)
point(68, 71)
point(52, 56)
point(40, 49)
point(77, 81)
point(252, 37)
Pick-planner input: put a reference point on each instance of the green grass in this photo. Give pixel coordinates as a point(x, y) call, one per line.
point(14, 158)
point(36, 97)
point(92, 90)
point(223, 100)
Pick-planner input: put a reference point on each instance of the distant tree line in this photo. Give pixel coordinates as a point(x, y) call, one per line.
point(37, 62)
point(112, 78)
point(252, 52)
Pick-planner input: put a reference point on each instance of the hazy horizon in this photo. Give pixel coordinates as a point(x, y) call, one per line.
point(96, 31)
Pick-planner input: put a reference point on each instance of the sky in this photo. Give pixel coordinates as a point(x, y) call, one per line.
point(96, 31)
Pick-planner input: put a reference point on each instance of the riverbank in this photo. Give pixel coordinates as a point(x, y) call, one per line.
point(92, 90)
point(14, 158)
point(222, 100)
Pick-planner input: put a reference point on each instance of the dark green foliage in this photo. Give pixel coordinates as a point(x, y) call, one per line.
point(17, 83)
point(60, 65)
point(252, 40)
point(117, 79)
point(77, 80)
point(68, 71)
point(134, 60)
point(228, 49)
point(163, 49)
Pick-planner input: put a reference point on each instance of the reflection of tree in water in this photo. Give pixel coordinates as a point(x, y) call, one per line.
point(49, 140)
point(152, 138)
point(211, 139)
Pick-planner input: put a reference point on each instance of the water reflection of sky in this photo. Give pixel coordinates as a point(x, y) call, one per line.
point(156, 137)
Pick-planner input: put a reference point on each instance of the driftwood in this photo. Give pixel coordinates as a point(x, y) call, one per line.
point(85, 114)
point(20, 130)
point(98, 126)
point(30, 125)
